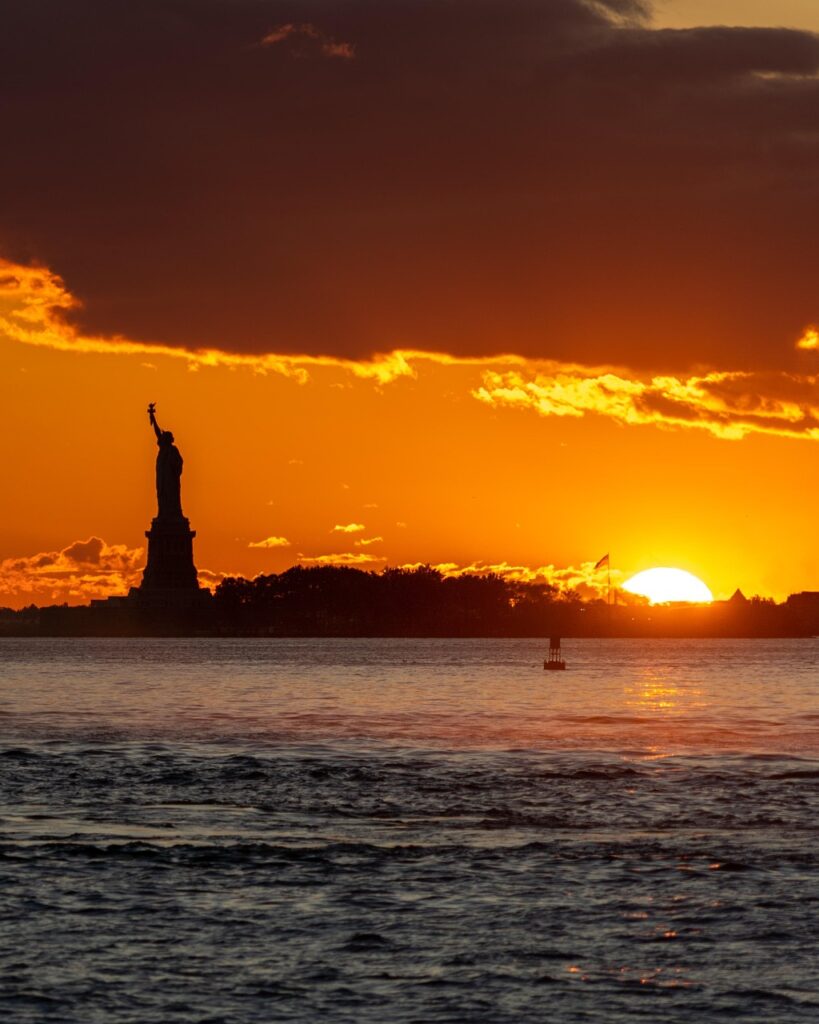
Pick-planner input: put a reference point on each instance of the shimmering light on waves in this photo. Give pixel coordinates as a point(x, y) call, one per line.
point(655, 692)
point(664, 586)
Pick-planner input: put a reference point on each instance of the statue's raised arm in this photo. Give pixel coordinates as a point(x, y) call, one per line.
point(152, 418)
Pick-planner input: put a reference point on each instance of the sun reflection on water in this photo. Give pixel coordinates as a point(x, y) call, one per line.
point(654, 692)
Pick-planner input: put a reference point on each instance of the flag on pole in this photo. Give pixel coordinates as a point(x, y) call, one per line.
point(603, 561)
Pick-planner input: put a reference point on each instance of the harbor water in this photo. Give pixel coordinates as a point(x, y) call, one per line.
point(408, 831)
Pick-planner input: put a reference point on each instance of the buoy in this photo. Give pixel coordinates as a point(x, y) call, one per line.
point(555, 662)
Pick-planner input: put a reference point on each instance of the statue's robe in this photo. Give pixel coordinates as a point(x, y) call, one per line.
point(168, 481)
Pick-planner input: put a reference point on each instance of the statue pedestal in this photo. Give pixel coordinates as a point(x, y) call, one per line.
point(170, 569)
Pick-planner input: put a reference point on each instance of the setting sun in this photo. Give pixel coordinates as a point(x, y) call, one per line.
point(662, 586)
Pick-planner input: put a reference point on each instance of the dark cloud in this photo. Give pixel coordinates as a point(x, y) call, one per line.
point(86, 552)
point(308, 33)
point(548, 177)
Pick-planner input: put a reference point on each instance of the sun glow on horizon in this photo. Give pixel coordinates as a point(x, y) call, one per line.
point(664, 586)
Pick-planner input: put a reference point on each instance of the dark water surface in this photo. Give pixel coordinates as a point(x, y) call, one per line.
point(408, 831)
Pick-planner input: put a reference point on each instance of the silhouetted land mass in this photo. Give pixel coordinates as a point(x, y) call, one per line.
point(332, 601)
point(347, 602)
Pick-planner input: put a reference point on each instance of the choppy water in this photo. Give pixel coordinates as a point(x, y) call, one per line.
point(408, 831)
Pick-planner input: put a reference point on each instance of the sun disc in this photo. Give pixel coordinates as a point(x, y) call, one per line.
point(663, 586)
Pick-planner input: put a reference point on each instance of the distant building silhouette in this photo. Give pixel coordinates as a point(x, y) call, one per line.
point(804, 610)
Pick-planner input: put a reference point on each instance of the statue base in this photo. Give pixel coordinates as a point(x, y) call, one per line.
point(170, 571)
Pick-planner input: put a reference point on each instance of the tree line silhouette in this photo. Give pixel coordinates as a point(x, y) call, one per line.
point(343, 601)
point(339, 601)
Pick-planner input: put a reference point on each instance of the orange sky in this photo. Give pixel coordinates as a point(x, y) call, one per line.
point(423, 462)
point(670, 423)
point(687, 13)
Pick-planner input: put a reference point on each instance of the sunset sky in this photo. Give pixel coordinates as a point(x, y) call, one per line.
point(476, 283)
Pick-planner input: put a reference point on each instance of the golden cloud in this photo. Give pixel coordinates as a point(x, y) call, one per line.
point(270, 542)
point(584, 580)
point(349, 528)
point(211, 580)
point(355, 559)
point(810, 339)
point(84, 571)
point(366, 541)
point(729, 405)
point(79, 573)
